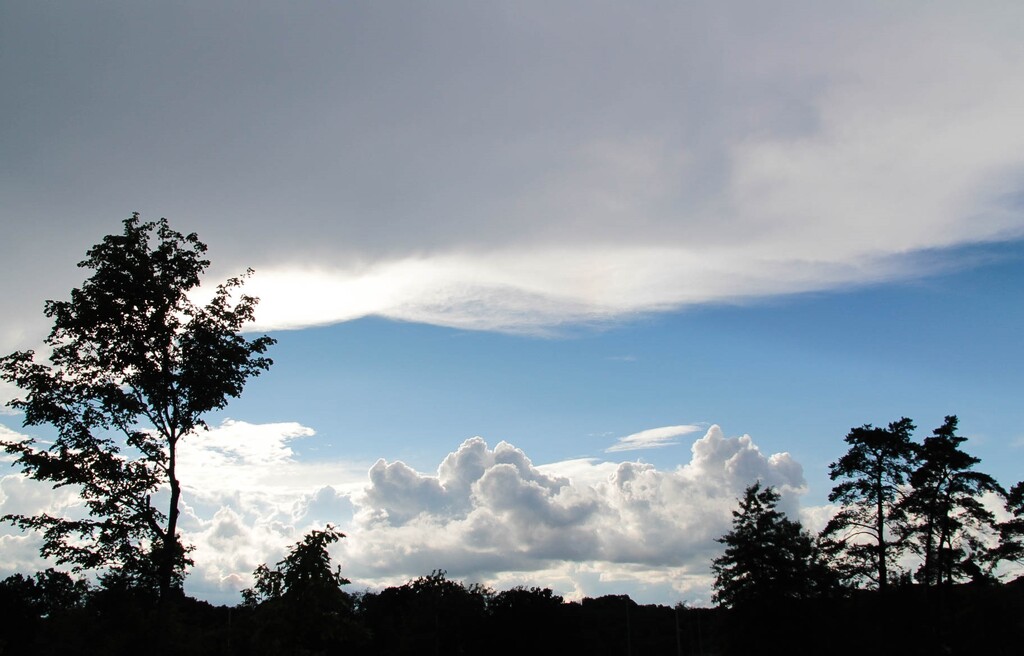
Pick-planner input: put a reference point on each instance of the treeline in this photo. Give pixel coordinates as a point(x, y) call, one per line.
point(50, 613)
point(907, 565)
point(909, 512)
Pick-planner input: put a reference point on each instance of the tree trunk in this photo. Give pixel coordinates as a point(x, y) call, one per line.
point(169, 555)
point(883, 569)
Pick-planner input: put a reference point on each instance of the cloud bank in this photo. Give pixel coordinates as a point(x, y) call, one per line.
point(492, 168)
point(583, 527)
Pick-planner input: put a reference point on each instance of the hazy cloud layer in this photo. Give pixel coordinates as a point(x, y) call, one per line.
point(487, 514)
point(510, 166)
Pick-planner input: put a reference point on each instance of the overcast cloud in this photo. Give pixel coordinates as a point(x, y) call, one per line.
point(509, 166)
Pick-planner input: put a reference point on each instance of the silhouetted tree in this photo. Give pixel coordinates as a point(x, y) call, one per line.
point(1011, 532)
point(537, 608)
point(767, 555)
point(134, 366)
point(299, 605)
point(304, 573)
point(950, 526)
point(431, 615)
point(872, 477)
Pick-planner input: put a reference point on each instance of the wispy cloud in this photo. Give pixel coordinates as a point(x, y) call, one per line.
point(652, 438)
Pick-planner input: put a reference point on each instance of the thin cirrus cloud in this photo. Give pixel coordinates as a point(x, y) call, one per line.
point(652, 438)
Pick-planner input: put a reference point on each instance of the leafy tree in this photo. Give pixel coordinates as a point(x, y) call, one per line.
point(767, 555)
point(134, 365)
point(304, 572)
point(950, 523)
point(45, 593)
point(432, 614)
point(299, 605)
point(872, 477)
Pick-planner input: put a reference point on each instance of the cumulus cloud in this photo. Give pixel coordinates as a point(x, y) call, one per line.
point(488, 514)
point(583, 527)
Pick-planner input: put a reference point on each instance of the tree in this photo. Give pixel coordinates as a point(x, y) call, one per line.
point(134, 366)
point(432, 614)
point(950, 525)
point(304, 573)
point(767, 555)
point(299, 607)
point(1011, 532)
point(872, 477)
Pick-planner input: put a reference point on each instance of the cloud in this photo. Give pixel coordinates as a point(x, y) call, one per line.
point(583, 527)
point(492, 515)
point(652, 438)
point(569, 172)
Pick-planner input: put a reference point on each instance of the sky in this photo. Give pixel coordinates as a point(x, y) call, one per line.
point(552, 283)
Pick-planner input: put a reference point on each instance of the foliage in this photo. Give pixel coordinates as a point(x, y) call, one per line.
point(134, 366)
point(1011, 532)
point(950, 527)
point(871, 476)
point(47, 592)
point(431, 614)
point(305, 572)
point(767, 555)
point(522, 599)
point(299, 606)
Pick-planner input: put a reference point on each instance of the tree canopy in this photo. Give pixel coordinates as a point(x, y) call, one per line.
point(134, 365)
point(767, 555)
point(951, 528)
point(872, 476)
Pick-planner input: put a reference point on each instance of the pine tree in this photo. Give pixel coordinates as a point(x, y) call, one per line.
point(951, 528)
point(872, 478)
point(767, 555)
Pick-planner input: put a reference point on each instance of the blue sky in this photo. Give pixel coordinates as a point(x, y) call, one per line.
point(647, 252)
point(796, 372)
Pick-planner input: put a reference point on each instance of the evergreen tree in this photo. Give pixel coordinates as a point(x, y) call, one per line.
point(767, 555)
point(950, 527)
point(1011, 532)
point(872, 477)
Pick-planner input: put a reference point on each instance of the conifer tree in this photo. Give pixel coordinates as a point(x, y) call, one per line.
point(872, 477)
point(950, 527)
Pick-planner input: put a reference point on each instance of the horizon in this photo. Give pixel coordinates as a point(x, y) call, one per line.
point(550, 285)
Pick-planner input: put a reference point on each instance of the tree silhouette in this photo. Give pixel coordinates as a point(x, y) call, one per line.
point(431, 615)
point(872, 477)
point(767, 555)
point(949, 522)
point(304, 573)
point(299, 605)
point(134, 366)
point(1011, 532)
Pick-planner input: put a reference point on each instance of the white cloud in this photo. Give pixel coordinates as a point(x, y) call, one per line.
point(488, 514)
point(652, 438)
point(494, 516)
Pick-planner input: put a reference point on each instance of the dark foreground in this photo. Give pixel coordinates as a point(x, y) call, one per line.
point(433, 615)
